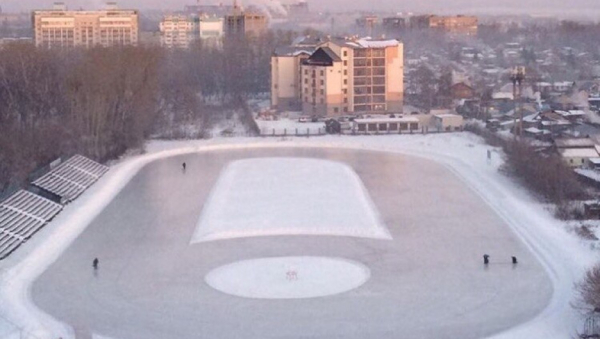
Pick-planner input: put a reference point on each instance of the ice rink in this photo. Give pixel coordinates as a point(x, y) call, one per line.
point(427, 281)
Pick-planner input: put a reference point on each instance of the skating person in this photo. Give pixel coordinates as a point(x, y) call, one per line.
point(486, 259)
point(95, 263)
point(514, 260)
point(183, 165)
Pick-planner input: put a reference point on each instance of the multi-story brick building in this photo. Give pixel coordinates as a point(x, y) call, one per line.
point(180, 31)
point(61, 28)
point(245, 23)
point(176, 31)
point(341, 77)
point(356, 76)
point(459, 24)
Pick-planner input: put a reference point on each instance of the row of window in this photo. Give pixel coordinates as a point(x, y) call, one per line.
point(369, 62)
point(369, 53)
point(361, 72)
point(386, 127)
point(369, 99)
point(369, 90)
point(367, 81)
point(369, 108)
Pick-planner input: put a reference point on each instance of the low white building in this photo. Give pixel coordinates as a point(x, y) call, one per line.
point(577, 157)
point(385, 125)
point(448, 122)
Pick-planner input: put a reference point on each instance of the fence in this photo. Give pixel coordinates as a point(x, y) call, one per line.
point(291, 132)
point(308, 132)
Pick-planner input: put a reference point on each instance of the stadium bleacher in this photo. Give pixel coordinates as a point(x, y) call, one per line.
point(71, 178)
point(21, 216)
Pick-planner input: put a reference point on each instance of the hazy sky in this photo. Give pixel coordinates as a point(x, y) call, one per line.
point(589, 7)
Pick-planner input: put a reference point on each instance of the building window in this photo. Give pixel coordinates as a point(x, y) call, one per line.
point(322, 92)
point(322, 73)
point(345, 81)
point(345, 100)
point(345, 62)
point(345, 72)
point(345, 53)
point(345, 91)
point(322, 82)
point(321, 100)
point(335, 110)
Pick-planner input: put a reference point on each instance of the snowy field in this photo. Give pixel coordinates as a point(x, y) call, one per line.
point(290, 196)
point(428, 280)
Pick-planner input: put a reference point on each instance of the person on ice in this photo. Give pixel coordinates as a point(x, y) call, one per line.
point(514, 260)
point(486, 259)
point(95, 263)
point(183, 165)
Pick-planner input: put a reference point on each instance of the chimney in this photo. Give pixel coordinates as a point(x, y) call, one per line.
point(59, 6)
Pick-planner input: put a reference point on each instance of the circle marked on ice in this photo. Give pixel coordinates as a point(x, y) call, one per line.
point(272, 278)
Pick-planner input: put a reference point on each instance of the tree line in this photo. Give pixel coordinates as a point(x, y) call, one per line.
point(99, 102)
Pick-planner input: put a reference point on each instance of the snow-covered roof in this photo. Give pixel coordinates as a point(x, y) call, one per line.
point(576, 112)
point(579, 153)
point(385, 120)
point(573, 143)
point(447, 115)
point(533, 130)
point(571, 113)
point(531, 117)
point(555, 123)
point(592, 174)
point(502, 95)
point(366, 43)
point(595, 161)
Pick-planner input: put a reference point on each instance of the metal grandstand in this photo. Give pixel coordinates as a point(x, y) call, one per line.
point(71, 178)
point(21, 215)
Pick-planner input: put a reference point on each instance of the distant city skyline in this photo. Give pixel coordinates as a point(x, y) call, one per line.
point(589, 8)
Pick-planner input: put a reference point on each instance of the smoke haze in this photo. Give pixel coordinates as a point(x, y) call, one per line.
point(590, 8)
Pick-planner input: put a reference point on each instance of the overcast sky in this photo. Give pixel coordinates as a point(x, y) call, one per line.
point(589, 7)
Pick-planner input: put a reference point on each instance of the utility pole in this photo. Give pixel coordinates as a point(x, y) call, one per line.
point(517, 76)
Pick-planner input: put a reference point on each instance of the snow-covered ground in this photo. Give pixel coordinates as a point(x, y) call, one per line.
point(560, 252)
point(307, 190)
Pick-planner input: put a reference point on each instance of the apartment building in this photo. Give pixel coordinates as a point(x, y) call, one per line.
point(245, 23)
point(286, 77)
point(62, 28)
point(176, 31)
point(180, 31)
point(341, 77)
point(459, 24)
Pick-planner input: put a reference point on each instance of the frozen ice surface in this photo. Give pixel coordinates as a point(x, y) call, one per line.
point(562, 256)
point(288, 196)
point(288, 277)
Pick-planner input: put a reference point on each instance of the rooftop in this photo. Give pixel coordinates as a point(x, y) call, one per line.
point(574, 143)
